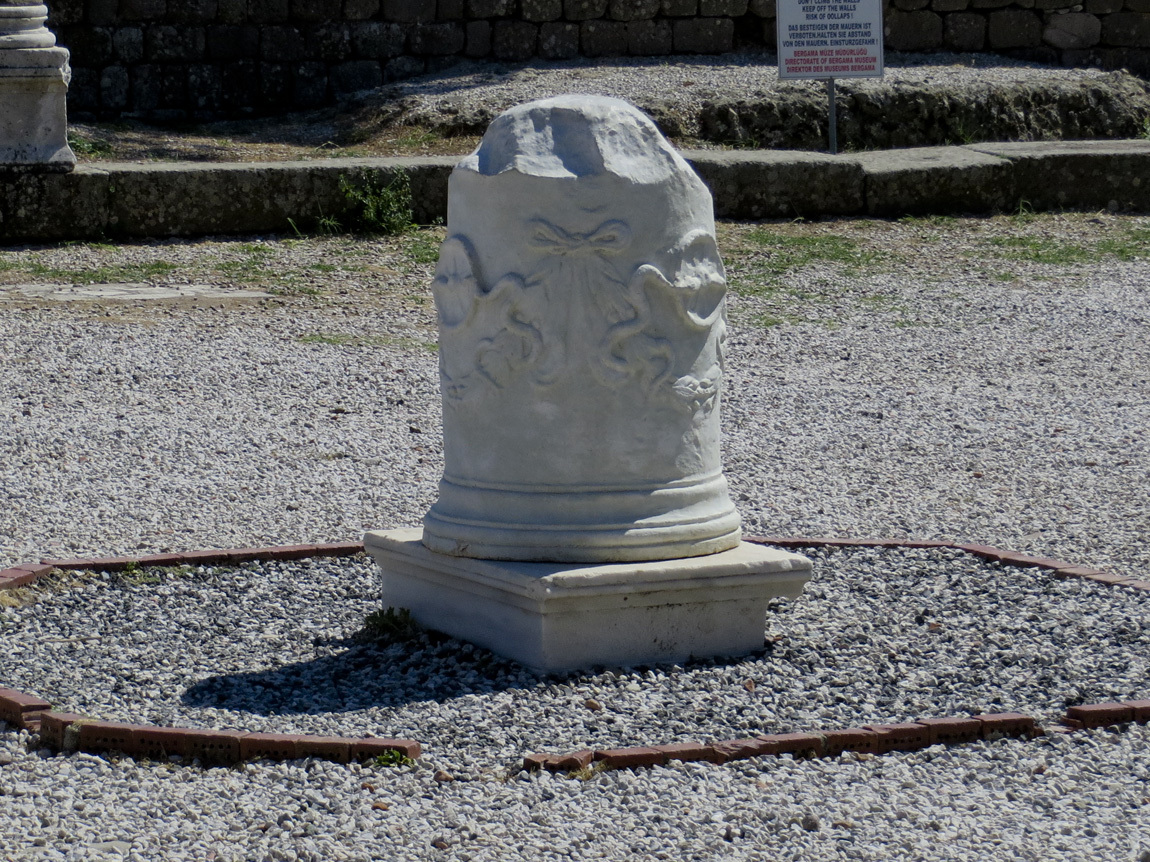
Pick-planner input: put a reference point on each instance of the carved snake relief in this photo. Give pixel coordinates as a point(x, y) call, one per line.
point(575, 307)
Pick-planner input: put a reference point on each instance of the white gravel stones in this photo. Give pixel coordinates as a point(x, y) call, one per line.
point(149, 426)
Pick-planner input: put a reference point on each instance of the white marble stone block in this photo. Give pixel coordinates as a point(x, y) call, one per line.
point(581, 307)
point(556, 617)
point(34, 76)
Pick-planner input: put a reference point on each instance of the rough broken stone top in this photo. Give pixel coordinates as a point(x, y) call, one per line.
point(581, 305)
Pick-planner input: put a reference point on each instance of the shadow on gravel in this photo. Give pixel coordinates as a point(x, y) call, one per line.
point(357, 675)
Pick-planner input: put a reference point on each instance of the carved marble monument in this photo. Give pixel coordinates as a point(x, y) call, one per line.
point(34, 76)
point(583, 516)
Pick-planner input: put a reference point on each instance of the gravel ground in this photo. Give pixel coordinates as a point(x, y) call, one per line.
point(982, 380)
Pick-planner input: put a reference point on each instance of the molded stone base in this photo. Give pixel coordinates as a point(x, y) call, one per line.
point(554, 616)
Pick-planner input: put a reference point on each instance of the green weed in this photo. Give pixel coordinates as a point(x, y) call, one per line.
point(112, 274)
point(390, 626)
point(391, 759)
point(788, 253)
point(417, 137)
point(375, 207)
point(424, 247)
point(84, 146)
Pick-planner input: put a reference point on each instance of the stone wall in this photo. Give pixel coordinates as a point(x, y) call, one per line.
point(173, 59)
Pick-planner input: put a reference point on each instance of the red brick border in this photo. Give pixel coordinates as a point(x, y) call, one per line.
point(870, 739)
point(67, 731)
point(31, 713)
point(210, 746)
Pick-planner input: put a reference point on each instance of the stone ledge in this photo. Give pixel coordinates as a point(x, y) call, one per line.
point(119, 200)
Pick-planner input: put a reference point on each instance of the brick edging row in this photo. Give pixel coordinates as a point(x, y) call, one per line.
point(65, 731)
point(869, 739)
point(875, 738)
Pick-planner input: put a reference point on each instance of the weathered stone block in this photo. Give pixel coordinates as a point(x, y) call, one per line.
point(232, 11)
point(355, 75)
point(142, 10)
point(114, 88)
point(756, 184)
point(680, 8)
point(603, 38)
point(268, 11)
point(437, 39)
point(489, 8)
point(205, 88)
point(989, 4)
point(558, 41)
point(360, 10)
point(231, 42)
point(1137, 5)
point(100, 12)
point(316, 10)
point(911, 5)
point(633, 10)
point(128, 44)
point(84, 90)
point(514, 40)
point(964, 31)
point(400, 68)
point(408, 11)
point(174, 44)
point(763, 8)
point(241, 84)
point(721, 8)
point(1050, 5)
point(478, 39)
point(1126, 30)
point(949, 5)
point(450, 10)
point(771, 33)
point(1082, 175)
point(1103, 7)
point(913, 31)
point(63, 12)
point(310, 88)
point(704, 35)
point(89, 46)
point(375, 40)
point(193, 11)
point(540, 11)
point(1013, 28)
point(32, 204)
point(275, 85)
point(936, 179)
point(330, 42)
point(1073, 30)
point(649, 38)
point(584, 10)
point(281, 44)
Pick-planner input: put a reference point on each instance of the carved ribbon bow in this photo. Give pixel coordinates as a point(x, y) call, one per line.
point(611, 237)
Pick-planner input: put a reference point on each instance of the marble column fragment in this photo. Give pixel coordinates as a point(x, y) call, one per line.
point(581, 306)
point(34, 77)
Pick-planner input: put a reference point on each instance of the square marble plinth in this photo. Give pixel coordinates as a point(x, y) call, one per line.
point(557, 616)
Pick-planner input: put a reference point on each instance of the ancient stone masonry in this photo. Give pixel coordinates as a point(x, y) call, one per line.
point(201, 58)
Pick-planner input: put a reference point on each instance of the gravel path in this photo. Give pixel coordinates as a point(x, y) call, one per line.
point(957, 379)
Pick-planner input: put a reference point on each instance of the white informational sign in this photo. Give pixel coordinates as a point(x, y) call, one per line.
point(830, 39)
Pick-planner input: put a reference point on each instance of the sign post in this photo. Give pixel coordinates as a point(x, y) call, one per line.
point(828, 39)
